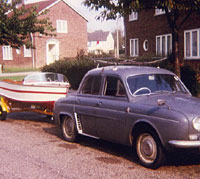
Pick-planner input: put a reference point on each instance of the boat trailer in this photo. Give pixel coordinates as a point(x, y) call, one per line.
point(9, 106)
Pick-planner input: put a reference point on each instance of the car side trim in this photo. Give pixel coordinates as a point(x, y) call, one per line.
point(79, 127)
point(184, 144)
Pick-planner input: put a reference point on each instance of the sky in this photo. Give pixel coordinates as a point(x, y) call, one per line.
point(94, 24)
point(91, 15)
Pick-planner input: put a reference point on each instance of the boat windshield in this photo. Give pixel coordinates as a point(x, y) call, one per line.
point(45, 78)
point(155, 83)
point(53, 77)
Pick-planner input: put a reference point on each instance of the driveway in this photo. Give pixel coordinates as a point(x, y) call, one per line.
point(33, 147)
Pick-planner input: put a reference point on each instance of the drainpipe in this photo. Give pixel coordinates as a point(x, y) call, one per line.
point(125, 38)
point(33, 52)
point(117, 53)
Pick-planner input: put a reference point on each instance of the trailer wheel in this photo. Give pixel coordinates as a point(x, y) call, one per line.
point(3, 114)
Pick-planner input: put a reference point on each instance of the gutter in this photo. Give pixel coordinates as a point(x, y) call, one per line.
point(32, 51)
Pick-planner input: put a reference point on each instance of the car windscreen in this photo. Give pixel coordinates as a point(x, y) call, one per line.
point(154, 83)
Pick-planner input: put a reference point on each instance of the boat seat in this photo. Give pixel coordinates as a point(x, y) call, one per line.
point(12, 81)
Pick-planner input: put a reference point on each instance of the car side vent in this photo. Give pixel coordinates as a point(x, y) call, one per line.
point(78, 123)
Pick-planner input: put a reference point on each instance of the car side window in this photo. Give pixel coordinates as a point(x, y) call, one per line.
point(114, 87)
point(92, 85)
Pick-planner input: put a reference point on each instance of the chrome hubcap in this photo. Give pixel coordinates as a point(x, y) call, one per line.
point(68, 127)
point(146, 148)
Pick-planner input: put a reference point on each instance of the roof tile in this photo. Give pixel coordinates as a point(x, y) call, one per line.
point(98, 36)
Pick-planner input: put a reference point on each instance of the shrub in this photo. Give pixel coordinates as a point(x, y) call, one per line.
point(189, 75)
point(189, 78)
point(74, 70)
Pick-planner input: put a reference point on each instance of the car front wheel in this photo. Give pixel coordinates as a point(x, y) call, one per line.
point(149, 149)
point(69, 129)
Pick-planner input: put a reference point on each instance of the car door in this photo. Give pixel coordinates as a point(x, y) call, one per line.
point(86, 104)
point(112, 110)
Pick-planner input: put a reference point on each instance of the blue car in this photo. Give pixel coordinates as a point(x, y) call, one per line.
point(147, 108)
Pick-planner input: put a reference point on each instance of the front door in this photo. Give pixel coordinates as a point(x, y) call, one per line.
point(52, 50)
point(112, 111)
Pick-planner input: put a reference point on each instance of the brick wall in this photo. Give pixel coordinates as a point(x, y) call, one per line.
point(145, 28)
point(69, 44)
point(148, 26)
point(18, 59)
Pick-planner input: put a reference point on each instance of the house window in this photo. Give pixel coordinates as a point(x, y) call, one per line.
point(7, 52)
point(145, 45)
point(192, 44)
point(133, 16)
point(163, 44)
point(18, 51)
point(134, 47)
point(61, 26)
point(89, 44)
point(27, 52)
point(159, 11)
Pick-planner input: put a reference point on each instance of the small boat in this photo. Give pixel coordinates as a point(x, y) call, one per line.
point(37, 92)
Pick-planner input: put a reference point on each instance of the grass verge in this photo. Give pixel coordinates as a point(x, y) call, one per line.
point(14, 78)
point(13, 70)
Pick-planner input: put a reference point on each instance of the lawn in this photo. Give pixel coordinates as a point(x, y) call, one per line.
point(12, 70)
point(15, 78)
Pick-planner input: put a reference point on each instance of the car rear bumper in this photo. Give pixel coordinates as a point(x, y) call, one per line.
point(184, 144)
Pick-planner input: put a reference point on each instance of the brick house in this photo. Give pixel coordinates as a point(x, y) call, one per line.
point(71, 37)
point(148, 33)
point(100, 41)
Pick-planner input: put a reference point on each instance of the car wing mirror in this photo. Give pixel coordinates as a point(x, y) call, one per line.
point(161, 102)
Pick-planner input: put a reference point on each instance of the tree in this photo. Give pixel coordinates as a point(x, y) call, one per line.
point(18, 22)
point(177, 12)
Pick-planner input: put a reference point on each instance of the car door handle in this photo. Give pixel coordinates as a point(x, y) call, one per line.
point(99, 103)
point(78, 101)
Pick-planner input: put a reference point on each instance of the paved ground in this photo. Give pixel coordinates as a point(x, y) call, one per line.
point(33, 147)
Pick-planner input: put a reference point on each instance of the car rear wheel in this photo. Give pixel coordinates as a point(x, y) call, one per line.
point(3, 114)
point(149, 149)
point(69, 129)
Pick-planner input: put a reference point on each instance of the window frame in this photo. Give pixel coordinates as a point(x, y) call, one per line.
point(7, 52)
point(133, 16)
point(191, 56)
point(119, 82)
point(134, 50)
point(92, 85)
point(166, 50)
point(146, 45)
point(62, 26)
point(159, 11)
point(27, 52)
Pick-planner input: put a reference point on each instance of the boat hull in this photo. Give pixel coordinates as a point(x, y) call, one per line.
point(32, 94)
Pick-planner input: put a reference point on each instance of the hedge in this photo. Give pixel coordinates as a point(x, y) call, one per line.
point(75, 69)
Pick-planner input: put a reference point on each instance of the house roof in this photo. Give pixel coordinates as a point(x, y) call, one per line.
point(98, 36)
point(47, 4)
